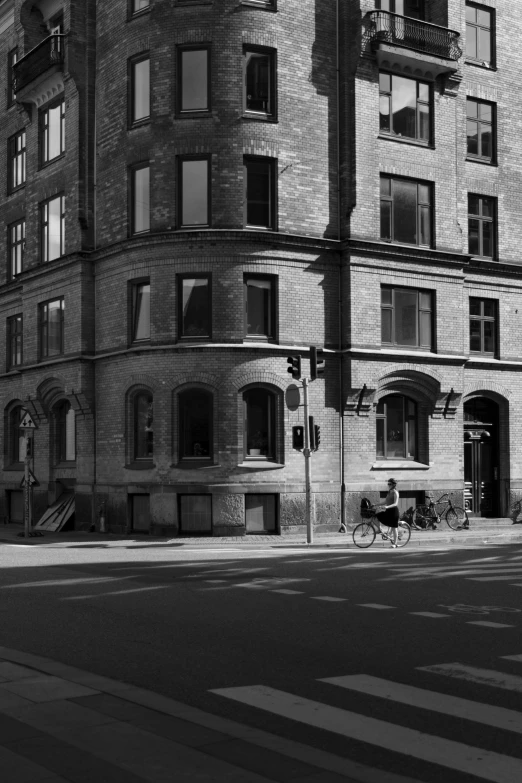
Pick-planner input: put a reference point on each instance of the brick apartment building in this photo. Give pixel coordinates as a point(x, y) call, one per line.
point(193, 190)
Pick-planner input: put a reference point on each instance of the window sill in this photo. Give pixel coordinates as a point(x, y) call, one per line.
point(417, 348)
point(482, 161)
point(258, 338)
point(136, 14)
point(197, 338)
point(139, 123)
point(145, 465)
point(194, 115)
point(481, 64)
point(48, 163)
point(406, 244)
point(14, 191)
point(66, 464)
point(259, 464)
point(259, 117)
point(405, 140)
point(262, 6)
point(247, 227)
point(484, 258)
point(189, 464)
point(399, 464)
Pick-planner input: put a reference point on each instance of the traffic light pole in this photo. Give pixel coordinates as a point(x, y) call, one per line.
point(27, 488)
point(308, 468)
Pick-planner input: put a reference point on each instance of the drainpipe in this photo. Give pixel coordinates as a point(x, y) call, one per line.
point(340, 304)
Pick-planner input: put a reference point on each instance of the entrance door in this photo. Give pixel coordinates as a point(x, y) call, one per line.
point(16, 507)
point(140, 510)
point(481, 458)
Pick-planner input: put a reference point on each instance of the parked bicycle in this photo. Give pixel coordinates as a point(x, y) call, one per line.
point(365, 533)
point(431, 514)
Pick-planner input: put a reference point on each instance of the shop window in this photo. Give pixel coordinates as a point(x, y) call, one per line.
point(261, 513)
point(396, 428)
point(195, 514)
point(194, 306)
point(405, 107)
point(195, 425)
point(193, 79)
point(483, 318)
point(406, 317)
point(143, 418)
point(259, 427)
point(406, 211)
point(260, 307)
point(140, 513)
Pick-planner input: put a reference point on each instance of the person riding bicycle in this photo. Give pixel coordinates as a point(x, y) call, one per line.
point(390, 515)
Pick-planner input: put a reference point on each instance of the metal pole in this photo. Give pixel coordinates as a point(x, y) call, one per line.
point(308, 468)
point(27, 459)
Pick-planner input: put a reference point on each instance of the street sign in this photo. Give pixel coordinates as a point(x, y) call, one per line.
point(33, 481)
point(27, 422)
point(293, 397)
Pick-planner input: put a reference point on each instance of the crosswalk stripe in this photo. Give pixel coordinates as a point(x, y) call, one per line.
point(430, 614)
point(504, 578)
point(507, 682)
point(376, 606)
point(512, 657)
point(484, 764)
point(288, 592)
point(489, 624)
point(499, 717)
point(327, 598)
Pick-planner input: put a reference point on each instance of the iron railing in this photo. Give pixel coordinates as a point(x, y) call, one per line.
point(413, 34)
point(48, 53)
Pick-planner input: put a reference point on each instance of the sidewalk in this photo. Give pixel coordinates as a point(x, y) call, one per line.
point(482, 532)
point(59, 724)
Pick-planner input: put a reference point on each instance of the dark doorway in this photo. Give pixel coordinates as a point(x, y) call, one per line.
point(481, 458)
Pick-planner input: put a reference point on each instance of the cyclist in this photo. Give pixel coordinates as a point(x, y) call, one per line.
point(390, 515)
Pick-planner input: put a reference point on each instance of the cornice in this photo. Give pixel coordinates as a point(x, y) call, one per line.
point(411, 253)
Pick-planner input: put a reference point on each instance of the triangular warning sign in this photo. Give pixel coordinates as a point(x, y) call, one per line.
point(27, 423)
point(33, 481)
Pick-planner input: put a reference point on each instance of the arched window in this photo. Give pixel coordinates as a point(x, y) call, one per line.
point(396, 428)
point(142, 421)
point(65, 418)
point(16, 437)
point(195, 425)
point(259, 427)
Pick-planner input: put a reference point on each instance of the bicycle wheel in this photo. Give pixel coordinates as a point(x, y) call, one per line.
point(457, 518)
point(363, 535)
point(403, 534)
point(422, 516)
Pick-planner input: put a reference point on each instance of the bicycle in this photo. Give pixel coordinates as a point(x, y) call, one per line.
point(426, 515)
point(365, 533)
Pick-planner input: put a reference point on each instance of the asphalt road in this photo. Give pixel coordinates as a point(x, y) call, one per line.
point(187, 623)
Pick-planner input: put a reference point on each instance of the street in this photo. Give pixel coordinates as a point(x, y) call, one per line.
point(404, 661)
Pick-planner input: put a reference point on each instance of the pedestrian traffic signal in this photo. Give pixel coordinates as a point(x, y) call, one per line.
point(311, 432)
point(317, 436)
point(298, 437)
point(316, 363)
point(295, 366)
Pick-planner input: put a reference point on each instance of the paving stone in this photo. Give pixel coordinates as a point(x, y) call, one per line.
point(273, 765)
point(17, 769)
point(12, 730)
point(9, 700)
point(45, 687)
point(13, 671)
point(60, 714)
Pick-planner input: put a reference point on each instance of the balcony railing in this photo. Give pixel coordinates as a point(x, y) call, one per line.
point(386, 27)
point(48, 53)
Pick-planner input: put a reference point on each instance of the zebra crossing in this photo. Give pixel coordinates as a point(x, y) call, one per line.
point(461, 757)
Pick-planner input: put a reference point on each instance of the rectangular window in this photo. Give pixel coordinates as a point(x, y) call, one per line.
point(405, 107)
point(12, 58)
point(141, 311)
point(406, 211)
point(483, 326)
point(14, 341)
point(140, 198)
point(480, 129)
point(17, 160)
point(194, 192)
point(52, 132)
point(193, 79)
point(194, 306)
point(51, 328)
point(481, 225)
point(260, 306)
point(479, 34)
point(52, 216)
point(261, 513)
point(139, 89)
point(412, 8)
point(271, 4)
point(259, 198)
point(259, 82)
point(137, 6)
point(407, 317)
point(16, 248)
point(195, 514)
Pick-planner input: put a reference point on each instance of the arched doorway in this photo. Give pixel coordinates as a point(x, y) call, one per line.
point(481, 457)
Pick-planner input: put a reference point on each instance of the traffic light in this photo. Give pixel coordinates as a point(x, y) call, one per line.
point(316, 363)
point(295, 366)
point(28, 445)
point(317, 436)
point(298, 437)
point(311, 430)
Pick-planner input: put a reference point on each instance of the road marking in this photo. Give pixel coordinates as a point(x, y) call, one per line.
point(499, 717)
point(113, 592)
point(215, 581)
point(377, 606)
point(327, 598)
point(489, 624)
point(507, 682)
point(288, 592)
point(494, 578)
point(430, 614)
point(512, 657)
point(446, 753)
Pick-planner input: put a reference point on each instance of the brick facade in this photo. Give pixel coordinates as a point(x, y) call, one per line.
point(326, 258)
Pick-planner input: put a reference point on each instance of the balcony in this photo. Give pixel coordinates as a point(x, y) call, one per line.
point(38, 75)
point(413, 45)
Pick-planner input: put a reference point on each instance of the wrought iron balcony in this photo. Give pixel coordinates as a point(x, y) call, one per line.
point(413, 34)
point(49, 54)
